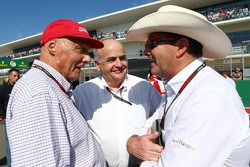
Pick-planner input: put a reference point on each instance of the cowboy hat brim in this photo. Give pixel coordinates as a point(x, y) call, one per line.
point(174, 19)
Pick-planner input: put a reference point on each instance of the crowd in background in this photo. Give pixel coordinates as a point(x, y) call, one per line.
point(221, 14)
point(31, 51)
point(212, 14)
point(114, 34)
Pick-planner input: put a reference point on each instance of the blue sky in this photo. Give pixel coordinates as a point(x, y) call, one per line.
point(22, 18)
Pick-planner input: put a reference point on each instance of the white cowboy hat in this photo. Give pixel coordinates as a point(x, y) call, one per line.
point(179, 20)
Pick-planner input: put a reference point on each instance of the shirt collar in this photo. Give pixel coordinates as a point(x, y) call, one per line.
point(176, 82)
point(65, 84)
point(124, 84)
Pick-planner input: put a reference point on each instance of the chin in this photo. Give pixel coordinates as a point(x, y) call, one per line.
point(74, 77)
point(119, 75)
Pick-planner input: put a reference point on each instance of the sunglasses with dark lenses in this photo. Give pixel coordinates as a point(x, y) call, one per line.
point(152, 43)
point(113, 58)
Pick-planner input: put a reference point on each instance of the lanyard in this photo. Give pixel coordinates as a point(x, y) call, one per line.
point(117, 97)
point(56, 81)
point(62, 88)
point(179, 92)
point(49, 75)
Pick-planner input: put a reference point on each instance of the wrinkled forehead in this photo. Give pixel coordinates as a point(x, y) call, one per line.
point(112, 50)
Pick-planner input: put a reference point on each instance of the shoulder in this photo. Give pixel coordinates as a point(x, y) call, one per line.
point(2, 86)
point(213, 85)
point(31, 84)
point(140, 84)
point(90, 85)
point(135, 79)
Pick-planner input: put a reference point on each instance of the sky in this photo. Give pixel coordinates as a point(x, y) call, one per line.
point(23, 18)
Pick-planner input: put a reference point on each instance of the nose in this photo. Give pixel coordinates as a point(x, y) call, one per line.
point(118, 62)
point(86, 59)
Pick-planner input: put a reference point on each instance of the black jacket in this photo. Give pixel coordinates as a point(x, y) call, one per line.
point(5, 90)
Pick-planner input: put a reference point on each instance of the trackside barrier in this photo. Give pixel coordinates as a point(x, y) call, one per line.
point(243, 88)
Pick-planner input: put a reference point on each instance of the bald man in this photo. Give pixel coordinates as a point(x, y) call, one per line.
point(43, 125)
point(115, 104)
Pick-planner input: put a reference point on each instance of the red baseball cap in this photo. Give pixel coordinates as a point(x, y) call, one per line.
point(69, 28)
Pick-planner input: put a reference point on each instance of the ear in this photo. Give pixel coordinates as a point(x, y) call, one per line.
point(97, 66)
point(51, 46)
point(183, 44)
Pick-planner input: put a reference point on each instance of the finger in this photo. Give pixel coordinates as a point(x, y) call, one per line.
point(156, 148)
point(150, 159)
point(154, 156)
point(153, 136)
point(152, 147)
point(151, 156)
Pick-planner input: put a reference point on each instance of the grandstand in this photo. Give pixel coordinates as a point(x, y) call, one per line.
point(233, 17)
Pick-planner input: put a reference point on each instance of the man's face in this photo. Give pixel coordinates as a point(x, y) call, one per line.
point(161, 54)
point(71, 55)
point(112, 63)
point(13, 77)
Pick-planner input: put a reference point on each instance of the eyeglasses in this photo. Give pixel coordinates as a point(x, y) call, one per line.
point(112, 59)
point(152, 43)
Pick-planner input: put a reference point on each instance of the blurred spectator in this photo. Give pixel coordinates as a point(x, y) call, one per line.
point(237, 75)
point(5, 90)
point(158, 84)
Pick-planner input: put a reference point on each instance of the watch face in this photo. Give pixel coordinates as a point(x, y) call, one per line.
point(13, 64)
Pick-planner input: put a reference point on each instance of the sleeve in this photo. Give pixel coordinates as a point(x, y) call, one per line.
point(203, 134)
point(37, 132)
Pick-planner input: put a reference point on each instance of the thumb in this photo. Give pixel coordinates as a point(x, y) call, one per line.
point(149, 131)
point(153, 136)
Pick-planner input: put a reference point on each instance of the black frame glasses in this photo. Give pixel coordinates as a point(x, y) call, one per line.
point(152, 43)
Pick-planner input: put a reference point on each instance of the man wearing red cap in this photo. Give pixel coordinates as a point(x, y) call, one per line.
point(43, 125)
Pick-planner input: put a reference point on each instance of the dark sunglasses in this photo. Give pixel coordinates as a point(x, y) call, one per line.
point(152, 43)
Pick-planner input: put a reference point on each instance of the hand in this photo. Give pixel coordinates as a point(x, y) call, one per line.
point(143, 147)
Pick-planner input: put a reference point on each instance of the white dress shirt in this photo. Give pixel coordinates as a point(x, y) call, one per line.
point(112, 120)
point(206, 126)
point(45, 128)
point(230, 80)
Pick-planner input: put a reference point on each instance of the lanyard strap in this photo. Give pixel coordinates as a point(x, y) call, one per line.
point(179, 92)
point(118, 97)
point(56, 81)
point(62, 88)
point(49, 75)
